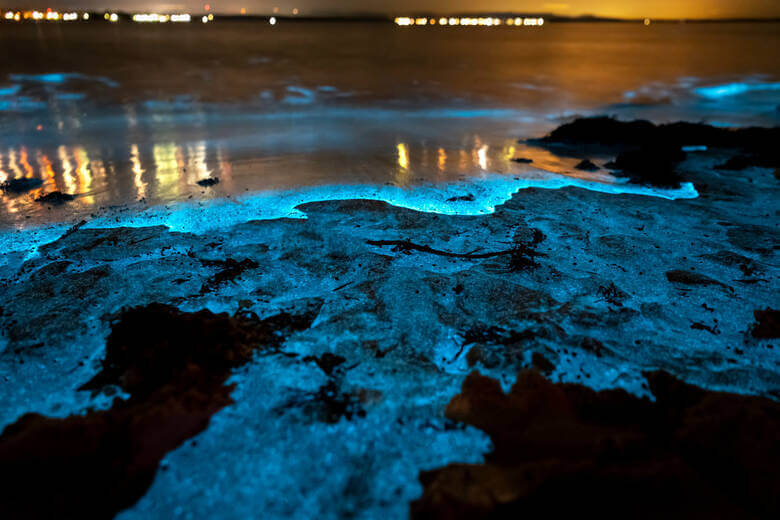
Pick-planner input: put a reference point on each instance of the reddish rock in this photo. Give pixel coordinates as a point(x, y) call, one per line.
point(567, 449)
point(174, 366)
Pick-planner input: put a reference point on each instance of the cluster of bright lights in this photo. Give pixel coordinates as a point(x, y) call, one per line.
point(161, 18)
point(406, 21)
point(49, 15)
point(207, 18)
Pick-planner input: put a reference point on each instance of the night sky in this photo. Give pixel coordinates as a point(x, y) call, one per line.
point(614, 8)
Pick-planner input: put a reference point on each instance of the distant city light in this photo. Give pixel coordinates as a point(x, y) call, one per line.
point(161, 18)
point(207, 7)
point(211, 17)
point(647, 21)
point(243, 10)
point(205, 19)
point(86, 16)
point(114, 17)
point(276, 10)
point(484, 21)
point(295, 11)
point(272, 20)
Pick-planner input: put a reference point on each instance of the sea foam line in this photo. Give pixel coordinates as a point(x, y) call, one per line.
point(475, 197)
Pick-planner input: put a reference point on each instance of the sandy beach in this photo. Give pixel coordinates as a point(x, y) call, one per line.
point(272, 278)
point(584, 287)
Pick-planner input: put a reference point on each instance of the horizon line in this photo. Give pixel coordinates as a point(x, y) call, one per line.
point(370, 16)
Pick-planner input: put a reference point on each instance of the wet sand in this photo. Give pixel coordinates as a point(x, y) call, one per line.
point(342, 414)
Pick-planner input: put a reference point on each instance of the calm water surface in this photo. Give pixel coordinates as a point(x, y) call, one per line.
point(119, 113)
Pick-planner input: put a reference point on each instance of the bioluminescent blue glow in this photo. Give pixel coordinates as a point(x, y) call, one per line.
point(734, 89)
point(9, 91)
point(477, 197)
point(60, 78)
point(299, 96)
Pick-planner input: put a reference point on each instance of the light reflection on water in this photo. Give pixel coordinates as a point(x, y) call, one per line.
point(160, 172)
point(400, 109)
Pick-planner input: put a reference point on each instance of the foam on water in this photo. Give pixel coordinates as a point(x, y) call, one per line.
point(478, 197)
point(734, 89)
point(60, 78)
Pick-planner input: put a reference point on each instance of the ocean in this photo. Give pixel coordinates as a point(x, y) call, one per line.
point(134, 115)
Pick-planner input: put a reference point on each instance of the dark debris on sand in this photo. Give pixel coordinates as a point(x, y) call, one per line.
point(648, 153)
point(229, 270)
point(174, 366)
point(56, 198)
point(565, 449)
point(207, 183)
point(681, 276)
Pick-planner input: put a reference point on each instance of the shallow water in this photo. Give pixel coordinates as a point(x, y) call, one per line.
point(128, 112)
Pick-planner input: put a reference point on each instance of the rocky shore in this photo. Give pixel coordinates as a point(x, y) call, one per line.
point(316, 367)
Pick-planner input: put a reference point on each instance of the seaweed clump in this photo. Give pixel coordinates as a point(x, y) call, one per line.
point(691, 453)
point(174, 365)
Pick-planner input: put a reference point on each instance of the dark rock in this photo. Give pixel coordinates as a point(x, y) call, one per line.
point(207, 183)
point(652, 166)
point(767, 324)
point(602, 131)
point(20, 185)
point(649, 153)
point(587, 165)
point(174, 365)
point(56, 198)
point(611, 133)
point(690, 453)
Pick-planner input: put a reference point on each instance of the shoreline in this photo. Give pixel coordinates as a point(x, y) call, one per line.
point(585, 287)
